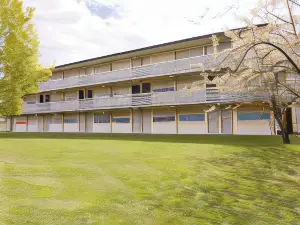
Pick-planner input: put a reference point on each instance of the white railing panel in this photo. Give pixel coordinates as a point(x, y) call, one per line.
point(143, 100)
point(152, 70)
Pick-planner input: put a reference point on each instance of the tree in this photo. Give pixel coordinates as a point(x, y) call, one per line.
point(19, 68)
point(268, 53)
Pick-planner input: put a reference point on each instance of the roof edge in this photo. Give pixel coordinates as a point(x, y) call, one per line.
point(149, 47)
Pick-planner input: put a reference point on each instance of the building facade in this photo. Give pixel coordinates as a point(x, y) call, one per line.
point(153, 90)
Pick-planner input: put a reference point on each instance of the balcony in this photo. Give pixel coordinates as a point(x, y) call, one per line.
point(142, 100)
point(187, 65)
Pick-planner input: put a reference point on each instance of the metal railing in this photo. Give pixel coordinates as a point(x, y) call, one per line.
point(153, 70)
point(142, 100)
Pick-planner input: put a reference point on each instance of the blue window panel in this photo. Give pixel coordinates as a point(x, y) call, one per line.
point(163, 118)
point(101, 118)
point(164, 89)
point(121, 120)
point(31, 103)
point(253, 116)
point(192, 117)
point(70, 120)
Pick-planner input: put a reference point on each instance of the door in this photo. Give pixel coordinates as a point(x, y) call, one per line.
point(147, 121)
point(136, 121)
point(81, 94)
point(227, 122)
point(213, 122)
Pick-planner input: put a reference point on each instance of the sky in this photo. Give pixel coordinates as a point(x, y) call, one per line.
point(74, 30)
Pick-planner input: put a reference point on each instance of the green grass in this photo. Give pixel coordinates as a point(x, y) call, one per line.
point(144, 179)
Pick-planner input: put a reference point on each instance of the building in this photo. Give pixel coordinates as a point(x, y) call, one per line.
point(148, 90)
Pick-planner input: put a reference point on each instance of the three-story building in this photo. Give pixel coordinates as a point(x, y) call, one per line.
point(156, 90)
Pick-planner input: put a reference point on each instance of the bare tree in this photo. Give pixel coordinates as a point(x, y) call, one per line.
point(268, 54)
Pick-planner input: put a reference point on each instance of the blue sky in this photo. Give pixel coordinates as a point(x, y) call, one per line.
point(72, 30)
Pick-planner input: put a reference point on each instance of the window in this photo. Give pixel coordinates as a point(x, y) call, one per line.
point(81, 94)
point(196, 52)
point(136, 62)
point(121, 120)
point(146, 88)
point(211, 85)
point(253, 116)
point(136, 89)
point(41, 98)
point(208, 50)
point(90, 94)
point(163, 118)
point(164, 89)
point(182, 54)
point(146, 60)
point(70, 120)
point(192, 117)
point(101, 118)
point(223, 46)
point(47, 98)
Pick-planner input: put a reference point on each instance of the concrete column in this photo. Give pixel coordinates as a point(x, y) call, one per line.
point(63, 122)
point(176, 120)
point(111, 128)
point(234, 121)
point(220, 122)
point(206, 123)
point(272, 123)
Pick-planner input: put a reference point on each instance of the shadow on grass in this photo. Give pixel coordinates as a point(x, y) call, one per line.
point(256, 186)
point(201, 139)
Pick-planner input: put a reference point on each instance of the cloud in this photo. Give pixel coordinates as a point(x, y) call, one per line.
point(72, 30)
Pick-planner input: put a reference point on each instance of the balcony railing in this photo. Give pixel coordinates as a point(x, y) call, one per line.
point(141, 100)
point(153, 70)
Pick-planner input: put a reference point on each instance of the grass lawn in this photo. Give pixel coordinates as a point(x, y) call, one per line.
point(142, 179)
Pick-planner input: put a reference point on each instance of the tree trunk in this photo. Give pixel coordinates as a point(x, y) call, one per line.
point(280, 117)
point(285, 136)
point(284, 130)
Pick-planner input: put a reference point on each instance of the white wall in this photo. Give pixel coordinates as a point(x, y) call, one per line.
point(168, 127)
point(71, 95)
point(147, 121)
point(55, 124)
point(163, 84)
point(82, 122)
point(122, 127)
point(40, 124)
point(71, 73)
point(21, 124)
point(191, 127)
point(102, 128)
point(254, 127)
point(101, 91)
point(71, 127)
point(121, 90)
point(32, 124)
point(162, 57)
point(90, 122)
point(123, 64)
point(56, 97)
point(298, 118)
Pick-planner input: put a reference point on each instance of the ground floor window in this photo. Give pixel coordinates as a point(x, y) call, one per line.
point(101, 118)
point(121, 120)
point(164, 89)
point(163, 118)
point(70, 120)
point(253, 116)
point(192, 117)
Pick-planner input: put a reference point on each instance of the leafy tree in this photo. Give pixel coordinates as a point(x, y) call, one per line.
point(20, 70)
